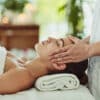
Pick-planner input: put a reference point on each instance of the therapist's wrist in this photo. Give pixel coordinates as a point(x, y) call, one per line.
point(86, 40)
point(91, 50)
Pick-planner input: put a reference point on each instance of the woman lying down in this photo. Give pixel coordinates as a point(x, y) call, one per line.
point(17, 75)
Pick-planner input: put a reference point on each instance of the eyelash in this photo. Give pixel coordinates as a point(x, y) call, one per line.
point(58, 43)
point(62, 42)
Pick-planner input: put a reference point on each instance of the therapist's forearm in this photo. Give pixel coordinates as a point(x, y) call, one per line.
point(94, 49)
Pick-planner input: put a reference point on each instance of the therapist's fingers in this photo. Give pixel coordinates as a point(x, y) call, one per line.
point(20, 61)
point(58, 51)
point(60, 56)
point(61, 52)
point(65, 62)
point(74, 39)
point(62, 60)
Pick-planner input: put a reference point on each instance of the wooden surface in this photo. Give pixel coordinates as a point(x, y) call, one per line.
point(21, 37)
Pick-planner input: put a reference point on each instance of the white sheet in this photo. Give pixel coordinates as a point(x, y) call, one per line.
point(80, 94)
point(3, 54)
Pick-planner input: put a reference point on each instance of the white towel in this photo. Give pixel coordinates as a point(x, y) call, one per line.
point(3, 54)
point(57, 82)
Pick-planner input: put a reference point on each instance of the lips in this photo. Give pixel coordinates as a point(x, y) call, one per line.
point(42, 42)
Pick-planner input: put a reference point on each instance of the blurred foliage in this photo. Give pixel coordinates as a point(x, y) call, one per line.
point(75, 17)
point(48, 11)
point(14, 5)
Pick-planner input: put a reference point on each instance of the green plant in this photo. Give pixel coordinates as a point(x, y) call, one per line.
point(15, 5)
point(75, 17)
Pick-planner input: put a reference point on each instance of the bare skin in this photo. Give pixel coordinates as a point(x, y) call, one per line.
point(20, 75)
point(20, 78)
point(77, 51)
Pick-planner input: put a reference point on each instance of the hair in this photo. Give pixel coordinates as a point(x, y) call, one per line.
point(77, 69)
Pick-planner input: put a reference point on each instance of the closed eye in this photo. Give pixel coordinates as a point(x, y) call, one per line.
point(60, 42)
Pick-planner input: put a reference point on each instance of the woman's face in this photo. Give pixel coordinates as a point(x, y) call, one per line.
point(47, 47)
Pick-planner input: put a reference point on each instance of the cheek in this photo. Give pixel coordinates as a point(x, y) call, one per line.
point(48, 51)
point(45, 52)
point(42, 51)
point(51, 49)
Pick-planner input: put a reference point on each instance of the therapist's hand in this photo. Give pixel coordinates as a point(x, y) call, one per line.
point(75, 52)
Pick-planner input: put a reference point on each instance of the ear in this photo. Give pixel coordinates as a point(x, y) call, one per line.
point(59, 67)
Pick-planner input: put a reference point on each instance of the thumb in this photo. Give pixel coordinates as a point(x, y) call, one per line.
point(73, 39)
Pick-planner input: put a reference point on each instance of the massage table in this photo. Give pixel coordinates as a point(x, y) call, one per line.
point(82, 93)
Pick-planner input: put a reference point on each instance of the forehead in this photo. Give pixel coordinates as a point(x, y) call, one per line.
point(60, 40)
point(65, 41)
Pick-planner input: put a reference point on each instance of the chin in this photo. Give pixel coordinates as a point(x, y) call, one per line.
point(38, 48)
point(36, 45)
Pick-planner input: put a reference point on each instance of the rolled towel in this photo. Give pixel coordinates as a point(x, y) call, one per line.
point(57, 82)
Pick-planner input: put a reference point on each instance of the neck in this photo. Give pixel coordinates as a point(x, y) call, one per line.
point(46, 64)
point(41, 62)
point(38, 67)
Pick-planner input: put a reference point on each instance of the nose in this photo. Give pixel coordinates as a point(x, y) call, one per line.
point(50, 39)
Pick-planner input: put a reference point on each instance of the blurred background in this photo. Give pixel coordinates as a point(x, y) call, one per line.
point(25, 22)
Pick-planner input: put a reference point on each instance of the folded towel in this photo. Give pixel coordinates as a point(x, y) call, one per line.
point(57, 82)
point(3, 54)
